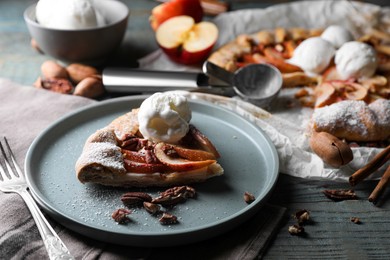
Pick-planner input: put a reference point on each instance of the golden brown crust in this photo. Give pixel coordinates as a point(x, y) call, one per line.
point(228, 55)
point(126, 124)
point(355, 120)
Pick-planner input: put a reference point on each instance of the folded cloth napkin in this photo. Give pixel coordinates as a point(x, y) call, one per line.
point(25, 112)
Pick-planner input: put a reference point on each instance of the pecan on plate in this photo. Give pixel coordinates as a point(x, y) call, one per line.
point(131, 199)
point(168, 219)
point(121, 216)
point(151, 207)
point(175, 195)
point(249, 197)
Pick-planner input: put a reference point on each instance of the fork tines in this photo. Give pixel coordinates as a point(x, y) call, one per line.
point(8, 164)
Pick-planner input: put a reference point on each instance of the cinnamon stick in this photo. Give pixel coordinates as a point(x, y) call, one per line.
point(380, 159)
point(380, 187)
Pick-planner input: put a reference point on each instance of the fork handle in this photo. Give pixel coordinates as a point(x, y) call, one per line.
point(56, 249)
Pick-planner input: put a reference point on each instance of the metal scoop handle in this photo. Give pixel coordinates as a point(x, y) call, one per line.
point(136, 80)
point(212, 70)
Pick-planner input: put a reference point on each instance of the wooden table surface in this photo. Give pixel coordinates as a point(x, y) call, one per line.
point(331, 234)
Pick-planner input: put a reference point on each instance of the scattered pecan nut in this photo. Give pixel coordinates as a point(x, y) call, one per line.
point(249, 197)
point(131, 199)
point(168, 219)
point(296, 230)
point(175, 195)
point(302, 216)
point(121, 216)
point(185, 191)
point(338, 195)
point(355, 220)
point(151, 207)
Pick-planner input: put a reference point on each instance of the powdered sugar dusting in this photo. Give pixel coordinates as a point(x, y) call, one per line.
point(355, 120)
point(103, 135)
point(341, 115)
point(103, 154)
point(381, 108)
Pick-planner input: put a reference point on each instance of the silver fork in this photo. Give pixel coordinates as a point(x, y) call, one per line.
point(12, 180)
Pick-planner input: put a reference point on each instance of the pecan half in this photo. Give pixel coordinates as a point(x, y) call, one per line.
point(302, 216)
point(185, 191)
point(121, 216)
point(248, 197)
point(151, 207)
point(168, 219)
point(355, 220)
point(338, 195)
point(296, 230)
point(169, 200)
point(130, 199)
point(175, 195)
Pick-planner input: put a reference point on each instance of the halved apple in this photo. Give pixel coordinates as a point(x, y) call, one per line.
point(173, 8)
point(185, 41)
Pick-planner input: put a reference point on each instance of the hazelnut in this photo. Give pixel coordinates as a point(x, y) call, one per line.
point(77, 72)
point(51, 69)
point(90, 87)
point(330, 149)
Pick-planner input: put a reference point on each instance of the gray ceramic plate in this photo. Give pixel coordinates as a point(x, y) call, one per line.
point(247, 155)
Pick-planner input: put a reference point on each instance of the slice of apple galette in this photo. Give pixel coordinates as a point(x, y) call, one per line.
point(151, 146)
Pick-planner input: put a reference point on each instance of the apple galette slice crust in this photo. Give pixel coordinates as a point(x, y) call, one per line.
point(118, 155)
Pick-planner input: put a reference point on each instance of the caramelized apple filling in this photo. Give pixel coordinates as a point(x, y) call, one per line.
point(194, 151)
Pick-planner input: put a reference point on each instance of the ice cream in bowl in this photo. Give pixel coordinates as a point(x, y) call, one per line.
point(85, 31)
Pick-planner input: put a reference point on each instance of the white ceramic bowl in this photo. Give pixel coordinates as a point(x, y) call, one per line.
point(92, 45)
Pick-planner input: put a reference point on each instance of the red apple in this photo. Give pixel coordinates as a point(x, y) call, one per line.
point(172, 8)
point(185, 41)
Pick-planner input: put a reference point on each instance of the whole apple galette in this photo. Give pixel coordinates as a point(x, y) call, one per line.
point(327, 66)
point(153, 145)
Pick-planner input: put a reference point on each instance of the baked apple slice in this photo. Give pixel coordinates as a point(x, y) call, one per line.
point(167, 155)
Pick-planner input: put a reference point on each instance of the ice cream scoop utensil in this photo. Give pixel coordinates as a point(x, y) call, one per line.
point(255, 83)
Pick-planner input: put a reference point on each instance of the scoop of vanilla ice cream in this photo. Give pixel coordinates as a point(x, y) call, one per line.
point(68, 14)
point(164, 117)
point(337, 35)
point(356, 60)
point(313, 55)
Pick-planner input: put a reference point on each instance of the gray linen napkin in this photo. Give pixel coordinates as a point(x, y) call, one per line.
point(24, 113)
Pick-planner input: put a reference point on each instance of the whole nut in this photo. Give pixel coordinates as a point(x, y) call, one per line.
point(90, 87)
point(168, 219)
point(135, 198)
point(77, 72)
point(51, 69)
point(58, 85)
point(330, 149)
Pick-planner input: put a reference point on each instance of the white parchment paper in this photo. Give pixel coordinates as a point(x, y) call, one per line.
point(286, 125)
